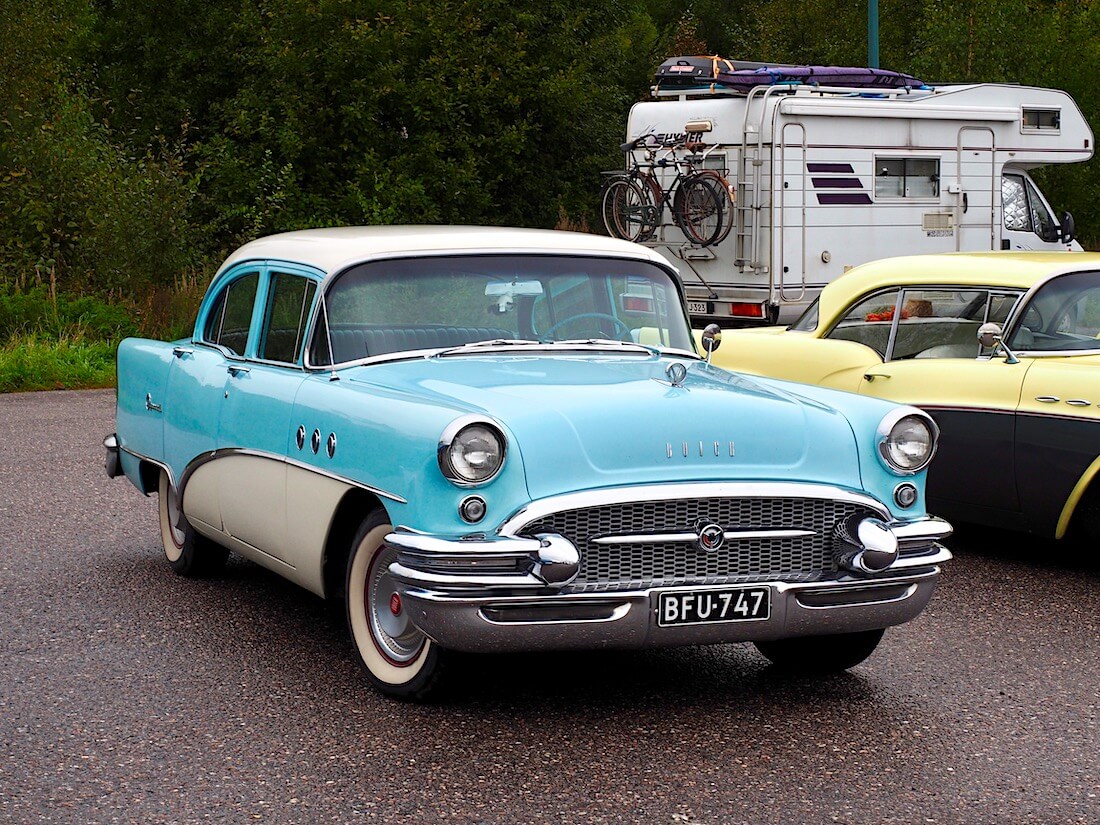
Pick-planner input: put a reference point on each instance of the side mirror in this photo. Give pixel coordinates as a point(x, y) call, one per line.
point(1068, 227)
point(989, 335)
point(711, 339)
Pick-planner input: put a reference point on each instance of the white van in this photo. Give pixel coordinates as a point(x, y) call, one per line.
point(830, 177)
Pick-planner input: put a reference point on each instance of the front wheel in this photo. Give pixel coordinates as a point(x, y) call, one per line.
point(399, 659)
point(188, 553)
point(821, 655)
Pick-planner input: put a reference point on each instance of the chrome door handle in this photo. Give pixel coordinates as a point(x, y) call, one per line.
point(235, 370)
point(149, 405)
point(871, 376)
point(179, 352)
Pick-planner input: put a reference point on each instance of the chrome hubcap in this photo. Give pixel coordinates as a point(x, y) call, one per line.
point(398, 638)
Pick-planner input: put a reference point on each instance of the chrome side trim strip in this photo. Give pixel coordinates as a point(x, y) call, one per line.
point(730, 535)
point(706, 489)
point(142, 457)
point(206, 458)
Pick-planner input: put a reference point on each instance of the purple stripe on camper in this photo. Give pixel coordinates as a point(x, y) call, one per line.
point(838, 168)
point(843, 198)
point(837, 183)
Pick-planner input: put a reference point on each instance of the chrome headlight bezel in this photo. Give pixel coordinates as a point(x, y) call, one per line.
point(889, 426)
point(450, 439)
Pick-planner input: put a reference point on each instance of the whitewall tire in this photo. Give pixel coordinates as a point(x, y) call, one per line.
point(399, 659)
point(188, 553)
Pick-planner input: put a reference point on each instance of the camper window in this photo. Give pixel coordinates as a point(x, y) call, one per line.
point(1041, 120)
point(907, 177)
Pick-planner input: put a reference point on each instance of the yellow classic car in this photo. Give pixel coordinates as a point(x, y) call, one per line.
point(1002, 349)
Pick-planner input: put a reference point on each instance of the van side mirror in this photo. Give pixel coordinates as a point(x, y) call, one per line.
point(1068, 228)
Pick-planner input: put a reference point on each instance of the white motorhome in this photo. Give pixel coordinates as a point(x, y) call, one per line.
point(828, 177)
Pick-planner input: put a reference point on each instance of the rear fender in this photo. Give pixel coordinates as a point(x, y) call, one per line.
point(143, 367)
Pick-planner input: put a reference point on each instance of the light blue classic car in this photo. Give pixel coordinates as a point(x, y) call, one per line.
point(497, 440)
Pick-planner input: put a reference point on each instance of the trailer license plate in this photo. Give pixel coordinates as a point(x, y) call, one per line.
point(699, 307)
point(740, 604)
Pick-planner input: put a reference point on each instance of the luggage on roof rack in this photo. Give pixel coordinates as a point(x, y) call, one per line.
point(857, 77)
point(692, 70)
point(700, 71)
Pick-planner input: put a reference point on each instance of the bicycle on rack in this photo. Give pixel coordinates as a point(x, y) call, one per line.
point(700, 200)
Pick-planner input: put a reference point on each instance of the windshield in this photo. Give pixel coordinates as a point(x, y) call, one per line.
point(400, 305)
point(1063, 315)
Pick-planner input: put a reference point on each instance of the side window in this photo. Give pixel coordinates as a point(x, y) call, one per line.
point(869, 322)
point(907, 177)
point(288, 302)
point(940, 323)
point(228, 322)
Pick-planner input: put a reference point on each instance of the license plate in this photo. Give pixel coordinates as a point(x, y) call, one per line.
point(699, 307)
point(740, 604)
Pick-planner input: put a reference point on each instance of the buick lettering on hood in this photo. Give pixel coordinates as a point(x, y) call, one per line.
point(501, 439)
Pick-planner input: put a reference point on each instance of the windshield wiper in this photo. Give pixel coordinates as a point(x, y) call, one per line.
point(495, 342)
point(605, 342)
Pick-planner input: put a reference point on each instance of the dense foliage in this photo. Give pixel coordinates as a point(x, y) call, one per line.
point(139, 141)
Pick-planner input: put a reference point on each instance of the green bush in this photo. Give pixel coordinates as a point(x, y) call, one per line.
point(87, 318)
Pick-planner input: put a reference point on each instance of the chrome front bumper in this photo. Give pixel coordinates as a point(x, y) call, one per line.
point(509, 594)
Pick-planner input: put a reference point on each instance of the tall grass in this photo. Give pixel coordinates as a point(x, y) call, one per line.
point(50, 341)
point(33, 362)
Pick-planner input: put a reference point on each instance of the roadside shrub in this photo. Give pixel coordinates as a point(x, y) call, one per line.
point(40, 312)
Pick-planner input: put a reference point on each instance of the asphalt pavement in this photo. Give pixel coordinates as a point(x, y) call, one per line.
point(129, 694)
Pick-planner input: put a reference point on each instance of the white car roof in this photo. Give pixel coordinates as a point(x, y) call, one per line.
point(334, 249)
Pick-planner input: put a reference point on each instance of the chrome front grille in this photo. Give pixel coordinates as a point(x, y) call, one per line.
point(638, 564)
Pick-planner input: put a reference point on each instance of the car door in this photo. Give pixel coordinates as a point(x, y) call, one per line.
point(1058, 422)
point(255, 428)
point(933, 361)
point(196, 388)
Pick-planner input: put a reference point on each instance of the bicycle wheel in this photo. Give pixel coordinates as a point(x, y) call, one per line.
point(723, 186)
point(626, 209)
point(698, 209)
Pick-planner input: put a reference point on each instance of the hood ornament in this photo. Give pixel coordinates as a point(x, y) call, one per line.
point(676, 373)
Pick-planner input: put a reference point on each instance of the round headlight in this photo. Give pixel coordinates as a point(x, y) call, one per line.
point(907, 441)
point(474, 453)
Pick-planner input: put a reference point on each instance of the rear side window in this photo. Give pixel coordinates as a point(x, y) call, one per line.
point(229, 320)
point(869, 322)
point(289, 300)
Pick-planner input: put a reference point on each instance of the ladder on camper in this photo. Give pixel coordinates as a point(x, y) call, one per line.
point(753, 186)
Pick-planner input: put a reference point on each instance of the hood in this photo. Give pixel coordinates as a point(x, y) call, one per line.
point(587, 421)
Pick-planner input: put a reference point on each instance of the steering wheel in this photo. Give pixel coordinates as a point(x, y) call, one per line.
point(620, 328)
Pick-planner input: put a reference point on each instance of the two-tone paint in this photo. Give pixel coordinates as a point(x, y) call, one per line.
point(1020, 438)
point(282, 461)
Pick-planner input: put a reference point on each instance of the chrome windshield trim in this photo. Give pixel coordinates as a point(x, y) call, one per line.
point(641, 256)
point(207, 457)
point(706, 489)
point(730, 535)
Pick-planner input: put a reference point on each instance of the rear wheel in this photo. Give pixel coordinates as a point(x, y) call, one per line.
point(699, 210)
point(399, 659)
point(627, 213)
point(188, 553)
point(820, 655)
